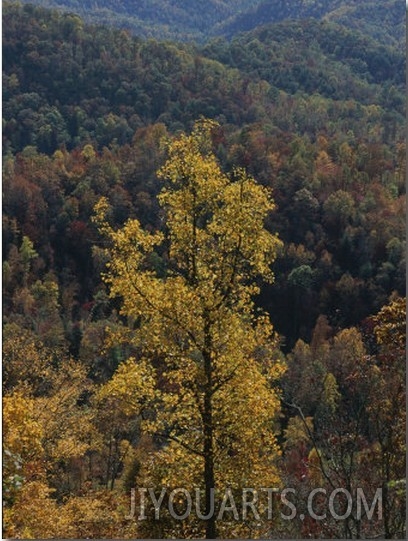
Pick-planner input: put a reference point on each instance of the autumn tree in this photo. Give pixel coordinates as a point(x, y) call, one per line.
point(387, 372)
point(346, 395)
point(207, 360)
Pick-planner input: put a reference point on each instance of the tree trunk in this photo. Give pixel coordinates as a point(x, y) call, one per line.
point(210, 529)
point(209, 482)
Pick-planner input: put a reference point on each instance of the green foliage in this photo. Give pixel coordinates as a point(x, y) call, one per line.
point(186, 21)
point(175, 84)
point(379, 21)
point(165, 19)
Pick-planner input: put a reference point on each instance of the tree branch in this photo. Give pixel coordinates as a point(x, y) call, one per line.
point(313, 440)
point(180, 442)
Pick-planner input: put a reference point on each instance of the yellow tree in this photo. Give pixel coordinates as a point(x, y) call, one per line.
point(387, 411)
point(206, 355)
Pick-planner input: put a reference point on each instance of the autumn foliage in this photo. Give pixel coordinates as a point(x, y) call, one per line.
point(203, 274)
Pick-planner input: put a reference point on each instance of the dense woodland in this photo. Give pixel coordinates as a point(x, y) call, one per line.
point(186, 21)
point(99, 126)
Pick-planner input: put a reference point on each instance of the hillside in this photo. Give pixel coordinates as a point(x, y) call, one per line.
point(383, 21)
point(203, 248)
point(53, 76)
point(162, 19)
point(296, 83)
point(313, 56)
point(187, 21)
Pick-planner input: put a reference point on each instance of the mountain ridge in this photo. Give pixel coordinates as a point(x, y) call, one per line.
point(167, 81)
point(187, 21)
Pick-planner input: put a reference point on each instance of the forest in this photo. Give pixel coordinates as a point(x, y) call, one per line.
point(184, 20)
point(203, 269)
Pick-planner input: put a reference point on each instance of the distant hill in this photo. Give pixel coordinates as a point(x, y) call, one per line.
point(184, 20)
point(66, 83)
point(273, 11)
point(193, 20)
point(382, 20)
point(312, 56)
